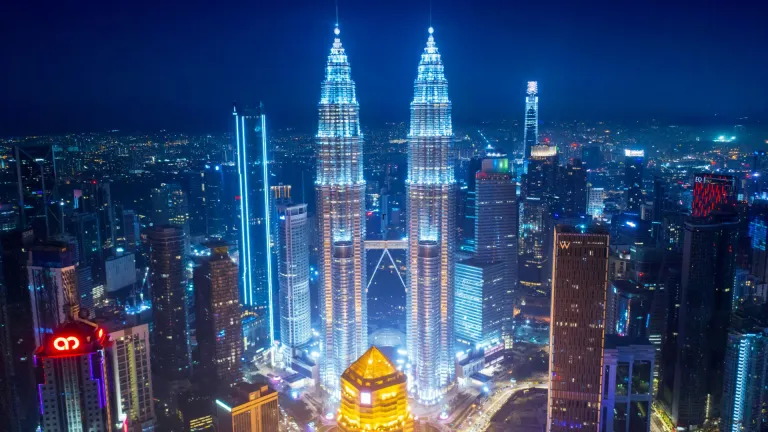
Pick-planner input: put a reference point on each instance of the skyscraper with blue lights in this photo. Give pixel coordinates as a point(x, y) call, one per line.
point(340, 193)
point(253, 177)
point(531, 131)
point(431, 190)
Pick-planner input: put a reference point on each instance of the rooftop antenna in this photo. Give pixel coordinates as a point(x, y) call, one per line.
point(337, 14)
point(430, 14)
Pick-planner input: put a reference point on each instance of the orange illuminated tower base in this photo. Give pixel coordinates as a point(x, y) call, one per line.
point(374, 396)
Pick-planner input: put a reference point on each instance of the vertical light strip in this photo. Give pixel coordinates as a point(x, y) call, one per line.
point(268, 224)
point(247, 220)
point(243, 245)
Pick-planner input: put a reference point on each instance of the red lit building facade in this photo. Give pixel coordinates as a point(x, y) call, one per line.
point(710, 191)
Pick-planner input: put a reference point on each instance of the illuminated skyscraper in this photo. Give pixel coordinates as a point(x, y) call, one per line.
point(74, 389)
point(374, 396)
point(293, 268)
point(535, 226)
point(219, 329)
point(340, 193)
point(171, 356)
point(634, 161)
point(52, 287)
point(253, 176)
point(579, 288)
point(431, 190)
point(711, 191)
point(248, 408)
point(531, 131)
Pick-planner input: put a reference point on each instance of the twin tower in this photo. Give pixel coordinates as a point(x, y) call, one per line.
point(431, 190)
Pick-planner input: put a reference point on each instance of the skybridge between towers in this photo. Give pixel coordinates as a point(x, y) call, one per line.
point(385, 246)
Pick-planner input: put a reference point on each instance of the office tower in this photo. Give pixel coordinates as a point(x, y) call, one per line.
point(121, 273)
point(196, 410)
point(579, 285)
point(705, 307)
point(745, 373)
point(481, 302)
point(129, 355)
point(374, 396)
point(340, 190)
point(167, 278)
point(572, 189)
point(628, 365)
point(710, 191)
point(74, 390)
point(37, 187)
point(130, 226)
point(52, 287)
point(431, 191)
point(219, 330)
point(535, 220)
point(17, 336)
point(595, 204)
point(248, 408)
point(97, 198)
point(634, 162)
point(195, 192)
point(85, 292)
point(496, 228)
point(159, 211)
point(627, 309)
point(293, 270)
point(9, 217)
point(592, 157)
point(531, 131)
point(85, 229)
point(216, 213)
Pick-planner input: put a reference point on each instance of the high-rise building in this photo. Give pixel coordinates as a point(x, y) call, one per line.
point(535, 226)
point(531, 131)
point(216, 214)
point(431, 190)
point(705, 306)
point(171, 358)
point(248, 408)
point(374, 396)
point(572, 189)
point(131, 384)
point(481, 303)
point(253, 179)
point(17, 336)
point(130, 231)
point(85, 229)
point(628, 364)
point(340, 195)
point(219, 329)
point(746, 373)
point(52, 287)
point(293, 269)
point(97, 199)
point(711, 191)
point(634, 162)
point(579, 286)
point(595, 204)
point(74, 388)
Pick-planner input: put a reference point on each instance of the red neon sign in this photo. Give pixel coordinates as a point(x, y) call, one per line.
point(66, 343)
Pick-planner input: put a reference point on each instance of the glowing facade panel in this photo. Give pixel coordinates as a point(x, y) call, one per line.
point(710, 191)
point(431, 191)
point(340, 193)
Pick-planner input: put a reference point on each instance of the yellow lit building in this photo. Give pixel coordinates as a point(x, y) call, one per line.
point(374, 396)
point(248, 408)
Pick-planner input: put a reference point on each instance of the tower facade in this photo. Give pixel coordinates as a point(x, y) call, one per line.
point(579, 288)
point(431, 190)
point(634, 161)
point(129, 355)
point(711, 191)
point(172, 356)
point(254, 216)
point(293, 268)
point(535, 226)
point(340, 193)
point(531, 131)
point(219, 329)
point(74, 391)
point(52, 287)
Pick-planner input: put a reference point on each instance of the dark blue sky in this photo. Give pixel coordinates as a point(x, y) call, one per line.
point(74, 66)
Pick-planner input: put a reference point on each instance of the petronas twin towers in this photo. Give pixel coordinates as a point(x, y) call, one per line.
point(431, 190)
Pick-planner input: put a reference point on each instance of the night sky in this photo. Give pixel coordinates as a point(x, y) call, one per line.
point(77, 66)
